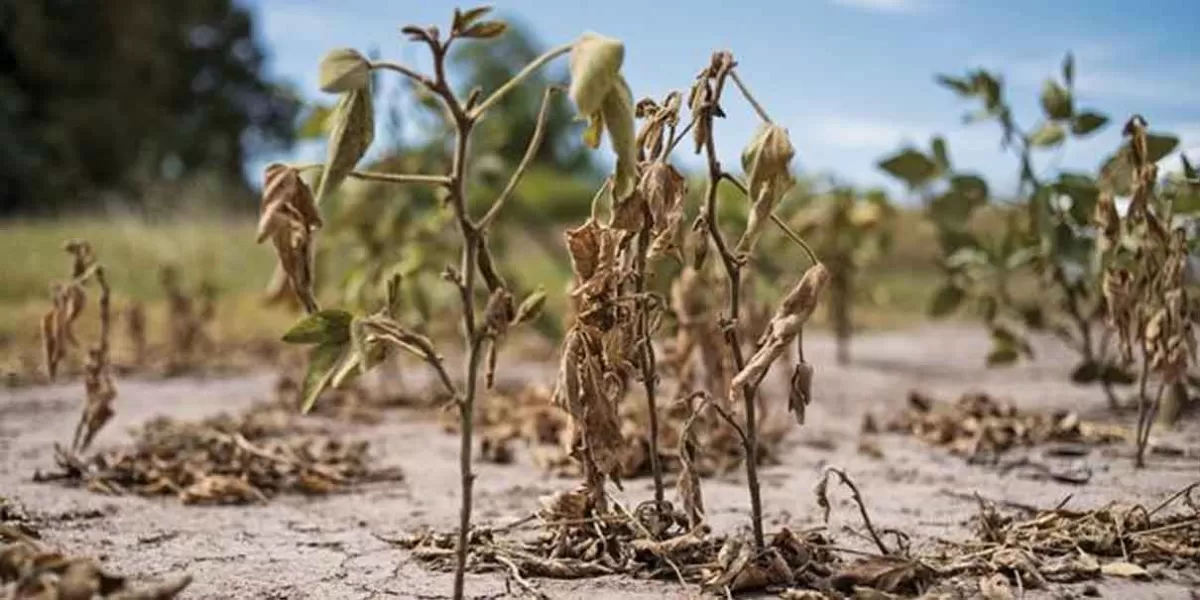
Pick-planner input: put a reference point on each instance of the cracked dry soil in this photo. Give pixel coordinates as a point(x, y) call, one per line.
point(329, 547)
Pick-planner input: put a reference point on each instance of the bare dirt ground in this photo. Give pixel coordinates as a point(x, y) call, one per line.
point(298, 547)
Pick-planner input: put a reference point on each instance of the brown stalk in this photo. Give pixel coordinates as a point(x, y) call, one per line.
point(733, 273)
point(648, 359)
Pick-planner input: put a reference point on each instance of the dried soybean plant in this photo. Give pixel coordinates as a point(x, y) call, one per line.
point(346, 344)
point(1145, 260)
point(767, 162)
point(58, 335)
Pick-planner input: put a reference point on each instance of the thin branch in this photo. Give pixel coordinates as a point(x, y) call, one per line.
point(405, 71)
point(537, 63)
point(795, 238)
point(441, 180)
point(762, 114)
point(539, 132)
point(858, 499)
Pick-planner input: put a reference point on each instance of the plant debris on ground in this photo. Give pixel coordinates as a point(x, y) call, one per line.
point(1008, 553)
point(249, 457)
point(978, 426)
point(29, 570)
point(526, 416)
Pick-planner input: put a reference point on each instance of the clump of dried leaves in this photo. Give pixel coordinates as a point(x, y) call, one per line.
point(979, 426)
point(1145, 257)
point(1061, 545)
point(525, 417)
point(249, 457)
point(31, 571)
point(570, 541)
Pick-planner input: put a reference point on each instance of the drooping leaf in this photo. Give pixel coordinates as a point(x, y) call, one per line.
point(911, 166)
point(1088, 122)
point(1056, 101)
point(617, 109)
point(1084, 194)
point(1048, 135)
point(316, 125)
point(1068, 69)
point(484, 30)
point(941, 154)
point(1159, 145)
point(344, 70)
point(595, 65)
point(531, 306)
point(946, 299)
point(959, 85)
point(326, 326)
point(353, 132)
point(323, 363)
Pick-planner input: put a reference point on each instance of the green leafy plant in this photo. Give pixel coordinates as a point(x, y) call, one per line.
point(1046, 241)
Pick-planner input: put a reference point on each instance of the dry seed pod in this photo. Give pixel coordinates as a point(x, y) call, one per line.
point(344, 70)
point(353, 131)
point(800, 393)
point(499, 312)
point(595, 66)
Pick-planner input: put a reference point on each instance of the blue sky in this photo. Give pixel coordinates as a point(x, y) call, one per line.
point(852, 80)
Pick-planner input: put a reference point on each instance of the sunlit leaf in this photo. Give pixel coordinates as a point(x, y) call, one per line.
point(484, 30)
point(323, 362)
point(1048, 135)
point(910, 166)
point(1087, 122)
point(1056, 101)
point(326, 326)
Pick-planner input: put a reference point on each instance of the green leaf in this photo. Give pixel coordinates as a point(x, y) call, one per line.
point(973, 187)
point(941, 154)
point(531, 306)
point(947, 298)
point(327, 326)
point(1189, 170)
point(910, 166)
point(1087, 122)
point(1159, 145)
point(484, 30)
point(344, 70)
point(954, 208)
point(988, 86)
point(1056, 101)
point(324, 361)
point(959, 85)
point(1084, 194)
point(465, 18)
point(1048, 135)
point(316, 124)
point(1068, 69)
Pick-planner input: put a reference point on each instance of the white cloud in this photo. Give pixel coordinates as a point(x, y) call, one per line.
point(883, 6)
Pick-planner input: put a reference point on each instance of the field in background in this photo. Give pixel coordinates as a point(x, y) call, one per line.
point(221, 251)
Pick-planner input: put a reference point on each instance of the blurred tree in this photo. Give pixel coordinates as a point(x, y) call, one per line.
point(114, 97)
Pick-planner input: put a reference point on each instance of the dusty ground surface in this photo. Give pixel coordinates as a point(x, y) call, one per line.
point(327, 547)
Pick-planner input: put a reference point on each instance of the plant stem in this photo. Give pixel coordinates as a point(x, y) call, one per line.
point(537, 63)
point(385, 177)
point(733, 275)
point(539, 132)
point(648, 363)
point(762, 114)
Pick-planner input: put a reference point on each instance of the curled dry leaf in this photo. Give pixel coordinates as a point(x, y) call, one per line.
point(767, 161)
point(288, 218)
point(664, 188)
point(784, 327)
point(344, 70)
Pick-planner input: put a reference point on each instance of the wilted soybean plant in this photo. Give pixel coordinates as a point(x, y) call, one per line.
point(1145, 274)
point(346, 344)
point(608, 340)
